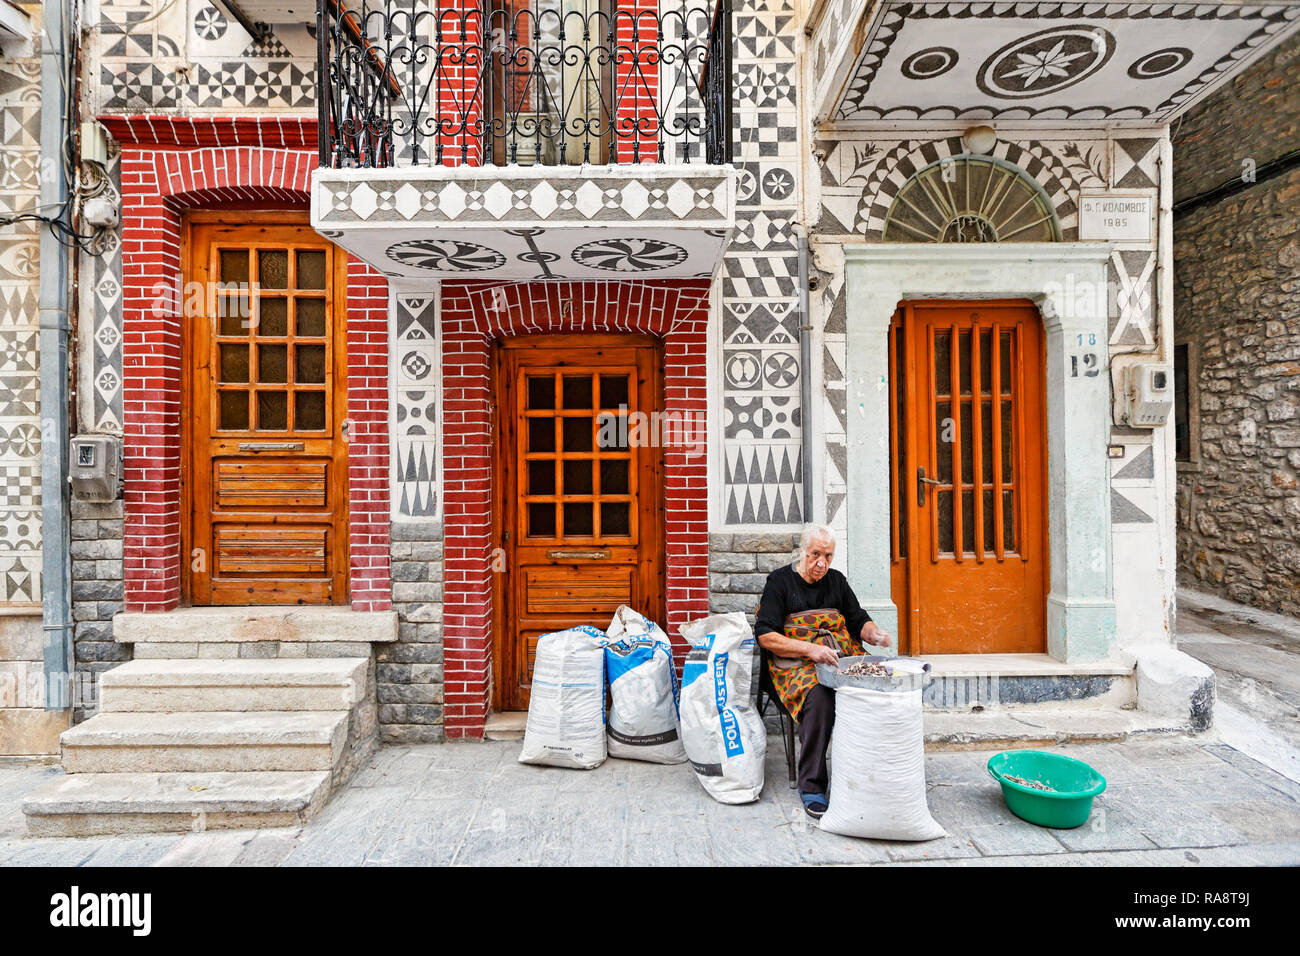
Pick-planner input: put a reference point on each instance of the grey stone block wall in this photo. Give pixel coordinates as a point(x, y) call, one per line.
point(410, 670)
point(738, 567)
point(739, 564)
point(1237, 306)
point(96, 552)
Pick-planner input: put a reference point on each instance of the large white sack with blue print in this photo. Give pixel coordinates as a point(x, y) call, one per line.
point(878, 767)
point(566, 709)
point(642, 690)
point(724, 737)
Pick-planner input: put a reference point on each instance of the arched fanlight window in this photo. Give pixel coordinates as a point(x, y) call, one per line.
point(971, 199)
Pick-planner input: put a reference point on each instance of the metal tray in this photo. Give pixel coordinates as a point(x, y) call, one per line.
point(912, 679)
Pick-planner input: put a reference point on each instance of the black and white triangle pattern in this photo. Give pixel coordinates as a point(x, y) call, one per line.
point(764, 485)
point(413, 364)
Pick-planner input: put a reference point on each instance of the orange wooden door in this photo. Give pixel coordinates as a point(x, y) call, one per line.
point(267, 389)
point(968, 455)
point(580, 474)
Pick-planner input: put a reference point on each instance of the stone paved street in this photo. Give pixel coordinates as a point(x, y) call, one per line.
point(1169, 802)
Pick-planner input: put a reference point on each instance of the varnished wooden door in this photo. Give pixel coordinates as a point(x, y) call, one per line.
point(266, 409)
point(968, 456)
point(579, 469)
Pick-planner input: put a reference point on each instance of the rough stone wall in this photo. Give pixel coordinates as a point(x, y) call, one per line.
point(410, 673)
point(1237, 303)
point(96, 596)
point(1255, 117)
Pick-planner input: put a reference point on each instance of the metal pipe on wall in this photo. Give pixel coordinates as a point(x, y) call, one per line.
point(805, 381)
point(56, 582)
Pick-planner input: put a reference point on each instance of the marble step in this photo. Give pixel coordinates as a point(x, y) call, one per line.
point(205, 742)
point(263, 624)
point(86, 804)
point(202, 684)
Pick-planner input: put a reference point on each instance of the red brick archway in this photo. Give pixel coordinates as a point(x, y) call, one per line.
point(473, 316)
point(170, 164)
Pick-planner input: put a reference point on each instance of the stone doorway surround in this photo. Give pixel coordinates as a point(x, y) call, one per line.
point(1068, 284)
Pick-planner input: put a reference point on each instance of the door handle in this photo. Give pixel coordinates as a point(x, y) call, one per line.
point(921, 482)
point(270, 446)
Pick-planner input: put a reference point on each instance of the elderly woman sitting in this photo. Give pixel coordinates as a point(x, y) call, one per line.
point(808, 613)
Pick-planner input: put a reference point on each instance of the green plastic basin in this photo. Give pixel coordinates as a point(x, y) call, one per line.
point(1073, 784)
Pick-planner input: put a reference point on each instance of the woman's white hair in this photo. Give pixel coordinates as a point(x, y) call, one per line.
point(814, 531)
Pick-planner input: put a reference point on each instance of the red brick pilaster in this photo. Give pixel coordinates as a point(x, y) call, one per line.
point(368, 438)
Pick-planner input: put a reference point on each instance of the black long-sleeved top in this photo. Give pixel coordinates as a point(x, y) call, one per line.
point(787, 593)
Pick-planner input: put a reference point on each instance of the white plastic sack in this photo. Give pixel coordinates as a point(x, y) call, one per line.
point(878, 767)
point(643, 691)
point(724, 737)
point(566, 709)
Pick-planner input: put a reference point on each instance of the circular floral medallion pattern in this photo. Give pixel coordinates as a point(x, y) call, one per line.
point(929, 63)
point(629, 255)
point(1046, 62)
point(1160, 63)
point(446, 255)
point(209, 24)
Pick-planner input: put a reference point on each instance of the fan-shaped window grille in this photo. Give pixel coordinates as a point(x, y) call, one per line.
point(971, 199)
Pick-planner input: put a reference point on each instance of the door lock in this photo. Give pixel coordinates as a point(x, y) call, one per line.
point(921, 482)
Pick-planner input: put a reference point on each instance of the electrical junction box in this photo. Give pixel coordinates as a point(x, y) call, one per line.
point(94, 142)
point(96, 467)
point(100, 211)
point(1149, 395)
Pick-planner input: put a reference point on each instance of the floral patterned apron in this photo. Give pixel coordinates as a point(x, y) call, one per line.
point(793, 678)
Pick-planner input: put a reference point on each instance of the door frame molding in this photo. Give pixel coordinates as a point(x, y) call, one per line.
point(1068, 284)
point(474, 314)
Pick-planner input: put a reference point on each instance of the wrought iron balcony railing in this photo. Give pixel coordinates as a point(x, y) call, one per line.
point(451, 82)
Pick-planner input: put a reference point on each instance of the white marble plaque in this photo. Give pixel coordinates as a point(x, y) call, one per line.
point(1115, 218)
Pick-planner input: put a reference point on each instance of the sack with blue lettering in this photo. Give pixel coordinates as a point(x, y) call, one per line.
point(643, 691)
point(725, 740)
point(566, 707)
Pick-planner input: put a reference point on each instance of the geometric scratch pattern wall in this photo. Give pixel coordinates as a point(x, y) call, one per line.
point(762, 418)
point(860, 175)
point(414, 363)
point(100, 379)
point(20, 423)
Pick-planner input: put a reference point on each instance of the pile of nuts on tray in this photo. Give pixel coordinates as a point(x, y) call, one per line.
point(865, 669)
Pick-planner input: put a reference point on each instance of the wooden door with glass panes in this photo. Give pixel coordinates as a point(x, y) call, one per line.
point(968, 477)
point(579, 468)
point(267, 401)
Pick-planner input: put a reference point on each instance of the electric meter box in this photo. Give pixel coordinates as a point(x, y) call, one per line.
point(1150, 395)
point(95, 467)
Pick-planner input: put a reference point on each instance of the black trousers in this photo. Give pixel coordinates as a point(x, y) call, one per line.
point(816, 720)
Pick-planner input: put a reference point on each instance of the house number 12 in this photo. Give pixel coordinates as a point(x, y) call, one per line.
point(1091, 368)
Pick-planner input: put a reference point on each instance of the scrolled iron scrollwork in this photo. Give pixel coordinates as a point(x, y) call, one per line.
point(550, 82)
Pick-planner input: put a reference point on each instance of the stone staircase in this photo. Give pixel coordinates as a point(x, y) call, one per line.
point(207, 743)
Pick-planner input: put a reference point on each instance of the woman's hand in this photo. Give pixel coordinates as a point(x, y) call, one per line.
point(872, 634)
point(821, 654)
